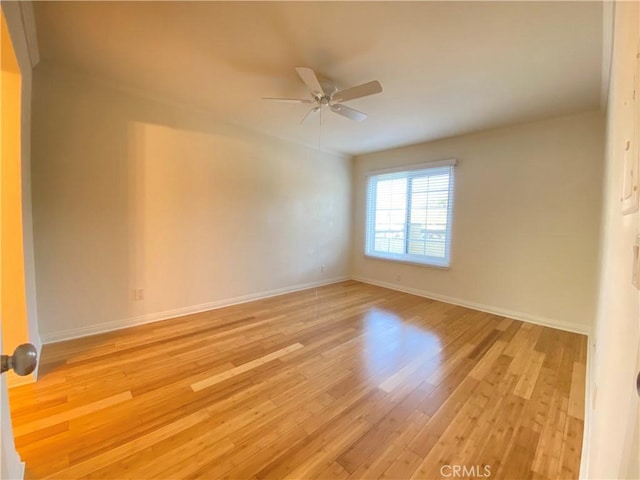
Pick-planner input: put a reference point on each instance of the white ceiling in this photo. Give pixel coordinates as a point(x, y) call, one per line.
point(445, 68)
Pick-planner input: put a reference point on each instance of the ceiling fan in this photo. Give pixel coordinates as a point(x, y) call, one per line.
point(325, 94)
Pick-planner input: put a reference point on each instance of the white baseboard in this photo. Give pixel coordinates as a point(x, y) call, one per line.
point(36, 373)
point(525, 317)
point(178, 312)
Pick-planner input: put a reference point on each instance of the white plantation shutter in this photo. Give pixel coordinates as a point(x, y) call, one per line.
point(409, 214)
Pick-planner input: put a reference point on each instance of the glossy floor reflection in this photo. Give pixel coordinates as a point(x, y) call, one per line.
point(391, 344)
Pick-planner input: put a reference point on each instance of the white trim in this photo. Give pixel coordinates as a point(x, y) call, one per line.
point(524, 317)
point(36, 373)
point(408, 262)
point(178, 312)
point(416, 166)
point(29, 23)
point(608, 20)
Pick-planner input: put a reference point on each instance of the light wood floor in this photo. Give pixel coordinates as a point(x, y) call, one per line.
point(344, 381)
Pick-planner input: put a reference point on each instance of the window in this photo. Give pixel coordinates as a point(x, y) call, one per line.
point(409, 214)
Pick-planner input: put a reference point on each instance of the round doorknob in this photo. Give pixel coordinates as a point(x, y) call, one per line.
point(23, 361)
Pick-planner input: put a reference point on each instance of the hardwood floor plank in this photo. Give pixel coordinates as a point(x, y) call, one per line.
point(398, 378)
point(529, 376)
point(91, 465)
point(442, 417)
point(485, 363)
point(404, 465)
point(382, 430)
point(49, 421)
point(207, 382)
point(333, 472)
point(576, 395)
point(327, 453)
point(569, 466)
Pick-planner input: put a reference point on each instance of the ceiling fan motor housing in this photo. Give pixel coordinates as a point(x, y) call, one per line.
point(328, 85)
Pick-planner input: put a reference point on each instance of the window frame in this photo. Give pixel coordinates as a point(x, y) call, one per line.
point(409, 172)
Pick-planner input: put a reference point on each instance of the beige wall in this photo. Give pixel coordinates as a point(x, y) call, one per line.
point(129, 193)
point(526, 218)
point(612, 441)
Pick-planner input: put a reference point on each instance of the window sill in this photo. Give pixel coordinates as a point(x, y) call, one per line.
point(408, 262)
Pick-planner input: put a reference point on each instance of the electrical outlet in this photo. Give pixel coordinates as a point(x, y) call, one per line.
point(398, 278)
point(322, 268)
point(139, 294)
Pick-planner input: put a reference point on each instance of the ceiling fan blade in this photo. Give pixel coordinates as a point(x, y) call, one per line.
point(348, 112)
point(313, 110)
point(352, 93)
point(288, 100)
point(308, 76)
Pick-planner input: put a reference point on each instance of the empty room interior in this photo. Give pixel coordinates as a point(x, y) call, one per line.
point(320, 240)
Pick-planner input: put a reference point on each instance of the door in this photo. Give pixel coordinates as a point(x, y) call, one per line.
point(13, 316)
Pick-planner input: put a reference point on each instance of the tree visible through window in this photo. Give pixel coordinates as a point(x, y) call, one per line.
point(409, 215)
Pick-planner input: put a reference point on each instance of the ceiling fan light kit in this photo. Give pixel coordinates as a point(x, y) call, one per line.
point(329, 96)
